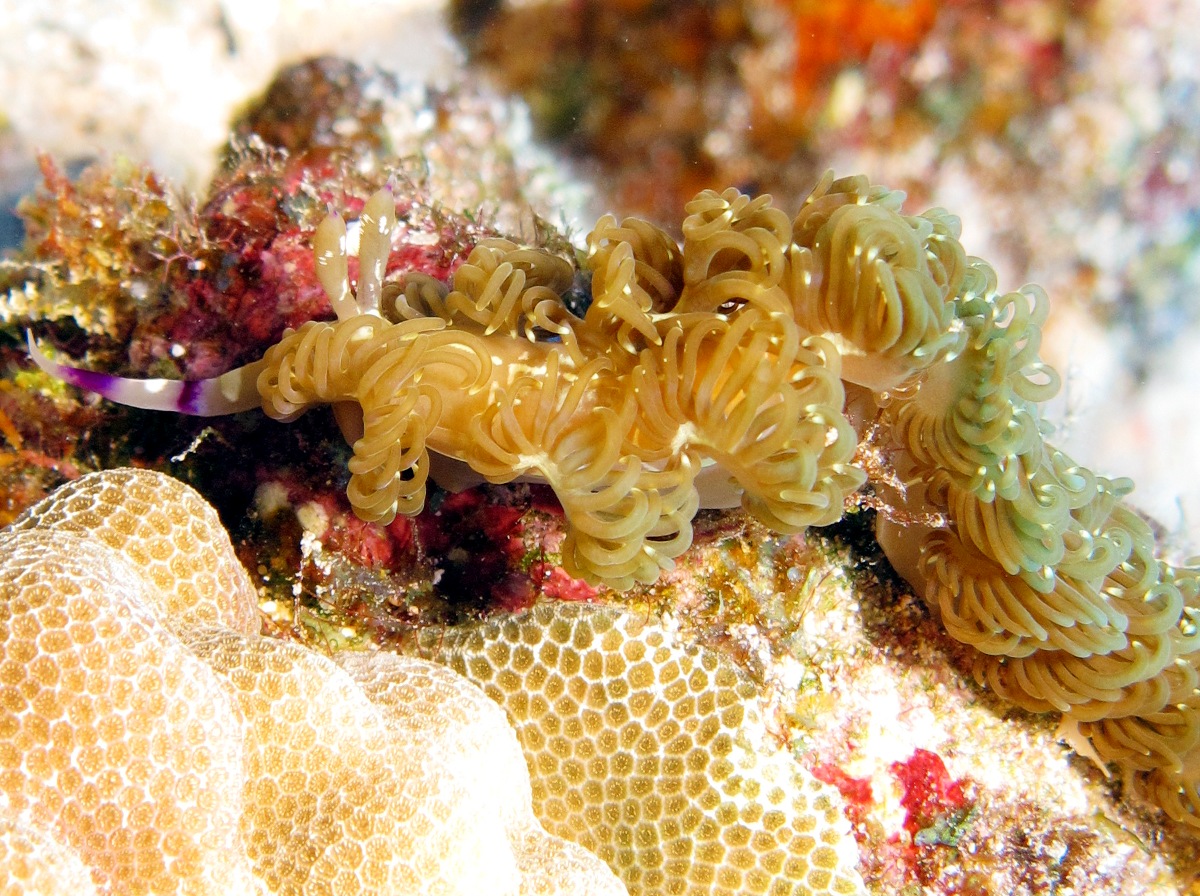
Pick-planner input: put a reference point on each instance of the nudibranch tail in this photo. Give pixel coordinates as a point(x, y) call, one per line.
point(230, 393)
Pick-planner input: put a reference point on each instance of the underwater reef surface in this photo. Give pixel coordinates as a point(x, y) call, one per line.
point(945, 786)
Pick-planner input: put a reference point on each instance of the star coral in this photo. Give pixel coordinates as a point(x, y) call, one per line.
point(654, 755)
point(150, 735)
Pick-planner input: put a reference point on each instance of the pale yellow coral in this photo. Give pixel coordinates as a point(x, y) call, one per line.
point(198, 757)
point(165, 531)
point(653, 755)
point(33, 862)
point(116, 740)
point(465, 746)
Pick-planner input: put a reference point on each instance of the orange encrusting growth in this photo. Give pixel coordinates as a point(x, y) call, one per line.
point(832, 34)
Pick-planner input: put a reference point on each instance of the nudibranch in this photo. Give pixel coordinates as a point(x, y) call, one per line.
point(738, 368)
point(688, 371)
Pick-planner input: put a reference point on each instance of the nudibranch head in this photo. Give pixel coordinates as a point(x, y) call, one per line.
point(236, 391)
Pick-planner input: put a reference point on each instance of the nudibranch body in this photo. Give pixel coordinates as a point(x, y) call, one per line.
point(725, 371)
point(683, 373)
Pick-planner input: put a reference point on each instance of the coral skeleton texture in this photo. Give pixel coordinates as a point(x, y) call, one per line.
point(654, 756)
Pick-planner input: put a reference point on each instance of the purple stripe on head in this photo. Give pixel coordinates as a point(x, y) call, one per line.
point(226, 394)
point(101, 383)
point(191, 398)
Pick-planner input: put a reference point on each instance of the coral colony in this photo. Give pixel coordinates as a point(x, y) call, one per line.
point(155, 742)
point(746, 366)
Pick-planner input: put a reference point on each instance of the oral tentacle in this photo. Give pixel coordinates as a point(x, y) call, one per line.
point(230, 393)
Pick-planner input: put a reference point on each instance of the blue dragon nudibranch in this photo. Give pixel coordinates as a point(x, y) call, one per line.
point(740, 368)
